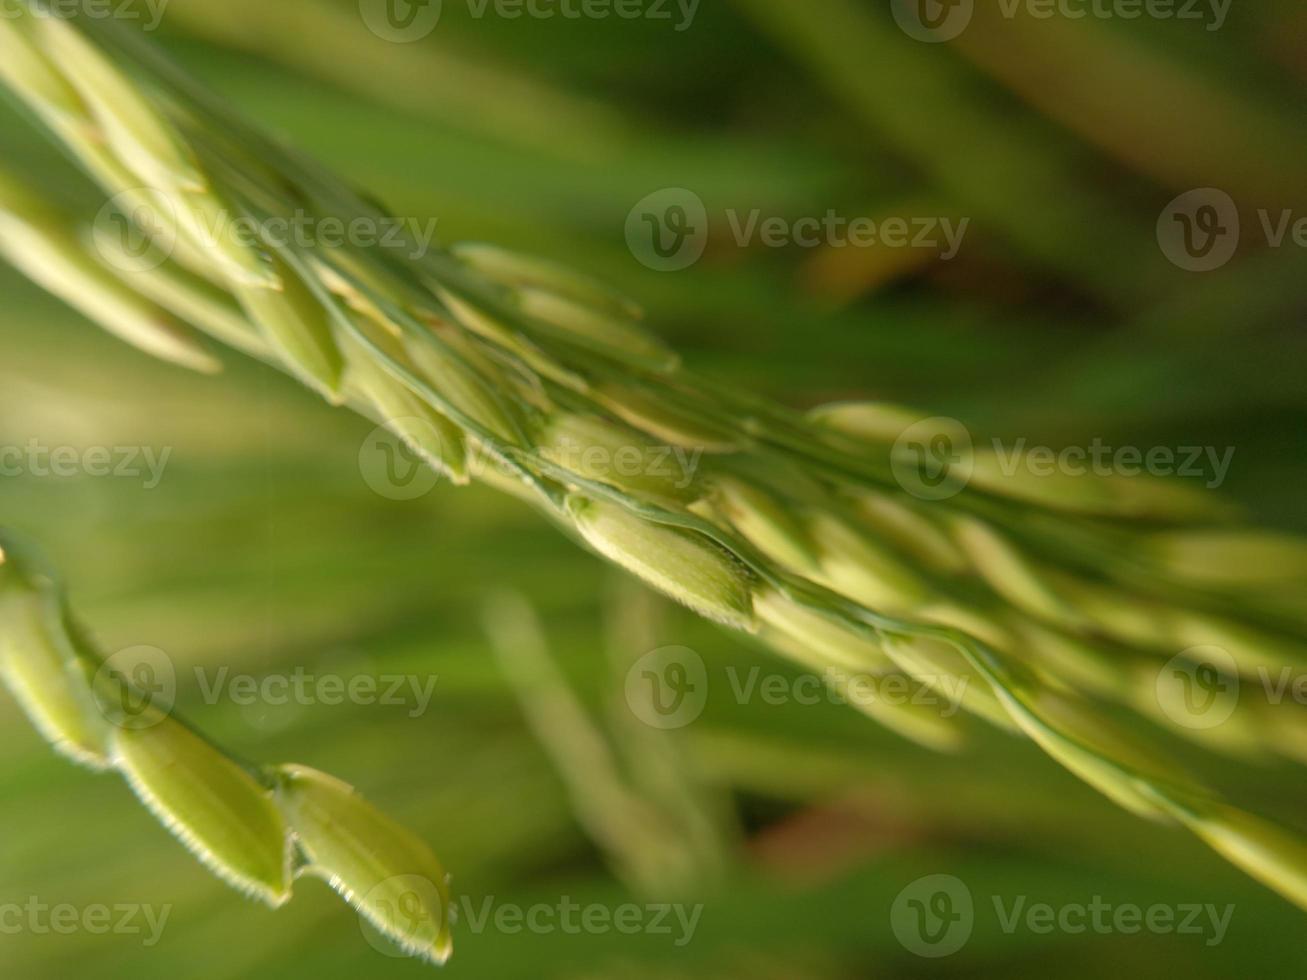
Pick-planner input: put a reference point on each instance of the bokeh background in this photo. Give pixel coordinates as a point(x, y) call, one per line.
point(1060, 320)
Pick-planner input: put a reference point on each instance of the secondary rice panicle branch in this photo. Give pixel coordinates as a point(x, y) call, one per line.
point(1039, 599)
point(255, 827)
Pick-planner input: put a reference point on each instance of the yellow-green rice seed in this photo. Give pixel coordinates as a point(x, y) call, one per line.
point(212, 805)
point(686, 566)
point(387, 873)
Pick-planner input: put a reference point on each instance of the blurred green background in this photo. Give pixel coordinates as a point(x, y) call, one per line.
point(1059, 321)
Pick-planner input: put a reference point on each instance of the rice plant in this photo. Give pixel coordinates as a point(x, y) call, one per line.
point(1052, 604)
